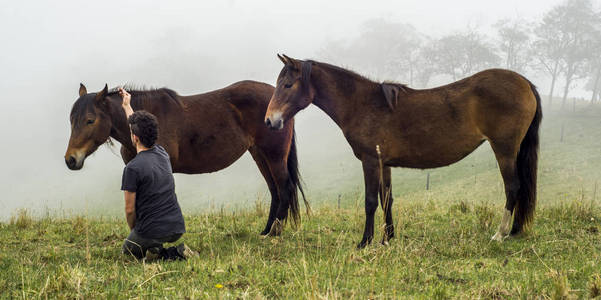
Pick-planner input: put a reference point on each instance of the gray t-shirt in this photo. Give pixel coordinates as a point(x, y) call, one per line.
point(149, 174)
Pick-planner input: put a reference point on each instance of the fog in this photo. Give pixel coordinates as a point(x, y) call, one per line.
point(48, 48)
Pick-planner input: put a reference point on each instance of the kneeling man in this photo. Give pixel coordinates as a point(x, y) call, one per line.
point(151, 207)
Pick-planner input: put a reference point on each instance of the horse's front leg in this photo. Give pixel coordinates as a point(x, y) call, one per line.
point(386, 202)
point(372, 183)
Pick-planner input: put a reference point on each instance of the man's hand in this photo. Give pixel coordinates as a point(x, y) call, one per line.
point(125, 96)
point(126, 102)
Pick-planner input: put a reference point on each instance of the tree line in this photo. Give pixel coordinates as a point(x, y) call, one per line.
point(564, 46)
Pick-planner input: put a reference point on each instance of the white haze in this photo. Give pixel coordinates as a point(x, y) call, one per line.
point(49, 47)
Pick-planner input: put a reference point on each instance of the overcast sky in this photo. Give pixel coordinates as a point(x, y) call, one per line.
point(48, 47)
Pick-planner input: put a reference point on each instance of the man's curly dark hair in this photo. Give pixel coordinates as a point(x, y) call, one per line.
point(145, 126)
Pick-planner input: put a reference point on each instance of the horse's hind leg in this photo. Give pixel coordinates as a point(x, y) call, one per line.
point(386, 202)
point(506, 157)
point(275, 200)
point(274, 162)
point(285, 190)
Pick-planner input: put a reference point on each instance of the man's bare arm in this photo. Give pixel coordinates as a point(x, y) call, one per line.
point(126, 102)
point(130, 208)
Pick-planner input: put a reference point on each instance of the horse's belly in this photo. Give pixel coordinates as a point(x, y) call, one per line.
point(434, 154)
point(211, 154)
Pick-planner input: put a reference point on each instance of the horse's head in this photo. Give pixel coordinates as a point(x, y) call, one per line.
point(293, 92)
point(90, 126)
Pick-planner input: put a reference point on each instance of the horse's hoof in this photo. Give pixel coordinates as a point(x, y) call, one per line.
point(363, 243)
point(264, 232)
point(389, 231)
point(273, 233)
point(276, 228)
point(385, 243)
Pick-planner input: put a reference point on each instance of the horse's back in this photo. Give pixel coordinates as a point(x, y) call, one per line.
point(485, 95)
point(241, 92)
point(255, 89)
point(219, 126)
point(439, 126)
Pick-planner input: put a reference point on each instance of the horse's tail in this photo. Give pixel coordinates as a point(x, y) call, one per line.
point(295, 182)
point(527, 162)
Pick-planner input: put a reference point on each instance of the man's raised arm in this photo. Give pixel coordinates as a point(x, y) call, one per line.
point(126, 102)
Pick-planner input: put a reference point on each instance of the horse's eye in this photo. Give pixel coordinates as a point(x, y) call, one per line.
point(287, 85)
point(90, 121)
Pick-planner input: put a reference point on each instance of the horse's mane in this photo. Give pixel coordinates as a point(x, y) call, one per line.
point(340, 70)
point(142, 95)
point(352, 74)
point(402, 86)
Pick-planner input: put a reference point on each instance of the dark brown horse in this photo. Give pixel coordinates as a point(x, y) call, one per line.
point(202, 133)
point(422, 128)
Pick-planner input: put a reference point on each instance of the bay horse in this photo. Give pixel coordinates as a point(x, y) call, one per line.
point(202, 133)
point(422, 129)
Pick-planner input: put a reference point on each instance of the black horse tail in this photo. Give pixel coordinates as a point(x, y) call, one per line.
point(295, 182)
point(527, 162)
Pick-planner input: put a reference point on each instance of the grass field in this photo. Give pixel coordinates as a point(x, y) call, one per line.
point(441, 251)
point(442, 247)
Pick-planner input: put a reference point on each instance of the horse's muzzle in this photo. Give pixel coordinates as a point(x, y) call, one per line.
point(276, 124)
point(72, 163)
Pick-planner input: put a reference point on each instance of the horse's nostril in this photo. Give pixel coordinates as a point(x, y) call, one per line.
point(268, 122)
point(70, 161)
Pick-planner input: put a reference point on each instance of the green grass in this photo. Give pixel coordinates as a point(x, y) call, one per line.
point(442, 247)
point(440, 251)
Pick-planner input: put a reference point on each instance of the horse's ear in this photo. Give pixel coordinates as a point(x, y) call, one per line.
point(100, 95)
point(290, 61)
point(391, 93)
point(82, 90)
point(294, 63)
point(282, 59)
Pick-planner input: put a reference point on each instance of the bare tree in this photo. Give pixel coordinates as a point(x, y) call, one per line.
point(424, 65)
point(514, 44)
point(561, 45)
point(549, 46)
point(384, 49)
point(462, 54)
point(579, 24)
point(593, 68)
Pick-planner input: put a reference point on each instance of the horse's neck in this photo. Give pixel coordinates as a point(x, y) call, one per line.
point(120, 128)
point(334, 100)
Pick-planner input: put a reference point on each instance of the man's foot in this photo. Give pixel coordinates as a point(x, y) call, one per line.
point(152, 254)
point(185, 252)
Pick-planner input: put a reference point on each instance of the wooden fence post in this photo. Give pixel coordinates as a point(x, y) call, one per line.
point(561, 138)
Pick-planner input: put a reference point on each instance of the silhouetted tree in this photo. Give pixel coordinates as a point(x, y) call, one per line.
point(593, 68)
point(386, 50)
point(514, 44)
point(561, 45)
point(462, 54)
point(579, 21)
point(424, 64)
